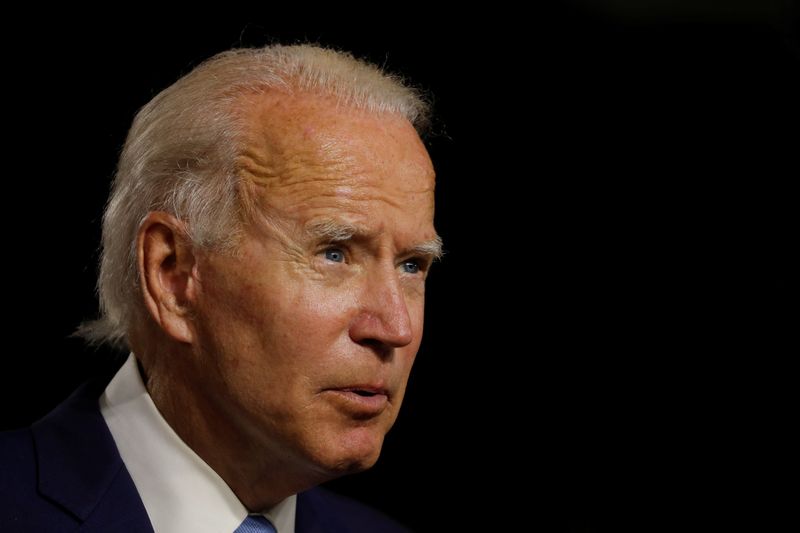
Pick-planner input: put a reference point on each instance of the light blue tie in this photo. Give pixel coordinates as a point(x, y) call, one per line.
point(256, 524)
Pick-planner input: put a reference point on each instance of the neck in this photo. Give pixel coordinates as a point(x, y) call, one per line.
point(258, 473)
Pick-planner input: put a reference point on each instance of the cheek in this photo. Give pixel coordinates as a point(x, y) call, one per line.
point(309, 310)
point(293, 329)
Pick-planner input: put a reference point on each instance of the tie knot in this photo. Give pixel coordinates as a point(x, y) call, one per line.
point(256, 524)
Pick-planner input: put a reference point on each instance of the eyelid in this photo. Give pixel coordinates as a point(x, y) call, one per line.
point(422, 261)
point(329, 245)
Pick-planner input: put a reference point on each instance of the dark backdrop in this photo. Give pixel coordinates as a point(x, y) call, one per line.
point(609, 337)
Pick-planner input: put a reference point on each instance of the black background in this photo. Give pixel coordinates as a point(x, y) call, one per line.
point(610, 338)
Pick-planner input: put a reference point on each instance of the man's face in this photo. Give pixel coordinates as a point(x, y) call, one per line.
point(305, 338)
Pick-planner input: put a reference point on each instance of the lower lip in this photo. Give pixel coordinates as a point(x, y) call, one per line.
point(358, 405)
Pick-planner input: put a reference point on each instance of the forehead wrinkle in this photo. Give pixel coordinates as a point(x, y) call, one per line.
point(254, 168)
point(344, 193)
point(270, 159)
point(299, 157)
point(282, 171)
point(272, 162)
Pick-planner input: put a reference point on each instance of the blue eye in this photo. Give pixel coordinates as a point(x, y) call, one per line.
point(411, 266)
point(334, 254)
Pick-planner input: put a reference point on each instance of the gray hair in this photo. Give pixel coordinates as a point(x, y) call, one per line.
point(180, 156)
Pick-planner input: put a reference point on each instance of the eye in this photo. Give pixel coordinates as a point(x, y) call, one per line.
point(335, 255)
point(411, 266)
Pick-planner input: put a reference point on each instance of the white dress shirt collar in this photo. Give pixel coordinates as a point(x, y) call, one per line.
point(179, 490)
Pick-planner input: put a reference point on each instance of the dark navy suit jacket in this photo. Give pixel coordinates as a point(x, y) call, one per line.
point(64, 473)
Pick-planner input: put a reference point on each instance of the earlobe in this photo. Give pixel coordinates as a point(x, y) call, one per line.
point(166, 273)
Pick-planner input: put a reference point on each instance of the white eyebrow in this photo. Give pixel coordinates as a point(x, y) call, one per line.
point(431, 248)
point(339, 231)
point(332, 230)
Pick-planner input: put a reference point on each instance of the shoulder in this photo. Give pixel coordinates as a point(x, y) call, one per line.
point(15, 446)
point(341, 514)
point(21, 506)
point(46, 469)
point(24, 505)
point(17, 461)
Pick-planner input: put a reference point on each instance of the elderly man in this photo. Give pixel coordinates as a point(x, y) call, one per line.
point(265, 249)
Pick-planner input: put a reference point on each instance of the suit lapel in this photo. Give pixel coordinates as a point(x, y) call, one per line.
point(80, 468)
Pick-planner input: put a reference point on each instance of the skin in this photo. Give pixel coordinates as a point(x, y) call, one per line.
point(285, 364)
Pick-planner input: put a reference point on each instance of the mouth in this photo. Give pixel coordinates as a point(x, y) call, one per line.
point(360, 401)
point(366, 392)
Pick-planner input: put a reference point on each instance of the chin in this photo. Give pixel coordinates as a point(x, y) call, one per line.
point(356, 451)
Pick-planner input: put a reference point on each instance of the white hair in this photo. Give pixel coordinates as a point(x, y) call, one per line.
point(180, 155)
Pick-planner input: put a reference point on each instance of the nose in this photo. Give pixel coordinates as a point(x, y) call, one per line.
point(383, 320)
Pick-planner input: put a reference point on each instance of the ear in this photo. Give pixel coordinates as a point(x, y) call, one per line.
point(166, 264)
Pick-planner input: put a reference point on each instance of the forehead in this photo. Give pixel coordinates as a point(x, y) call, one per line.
point(307, 145)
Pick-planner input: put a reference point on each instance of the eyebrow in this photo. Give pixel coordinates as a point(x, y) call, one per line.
point(332, 230)
point(431, 248)
point(339, 231)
